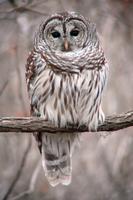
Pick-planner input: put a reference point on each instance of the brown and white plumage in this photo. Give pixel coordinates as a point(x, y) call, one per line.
point(66, 73)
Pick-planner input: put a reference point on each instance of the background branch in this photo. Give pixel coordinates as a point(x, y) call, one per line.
point(19, 172)
point(32, 183)
point(32, 124)
point(4, 87)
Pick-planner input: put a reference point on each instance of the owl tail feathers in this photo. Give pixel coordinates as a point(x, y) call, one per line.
point(57, 171)
point(56, 158)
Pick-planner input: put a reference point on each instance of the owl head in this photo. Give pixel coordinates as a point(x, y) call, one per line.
point(66, 32)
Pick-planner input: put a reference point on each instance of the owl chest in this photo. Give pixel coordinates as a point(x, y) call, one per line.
point(64, 98)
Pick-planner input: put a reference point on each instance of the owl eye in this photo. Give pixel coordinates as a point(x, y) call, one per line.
point(55, 34)
point(74, 33)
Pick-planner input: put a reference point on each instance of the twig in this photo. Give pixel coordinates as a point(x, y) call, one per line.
point(32, 124)
point(19, 172)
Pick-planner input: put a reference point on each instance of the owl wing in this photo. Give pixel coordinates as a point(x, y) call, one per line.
point(33, 67)
point(30, 75)
point(103, 77)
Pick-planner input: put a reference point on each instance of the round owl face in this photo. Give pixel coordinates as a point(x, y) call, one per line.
point(65, 33)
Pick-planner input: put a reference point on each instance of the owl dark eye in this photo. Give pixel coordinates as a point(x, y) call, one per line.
point(55, 34)
point(74, 33)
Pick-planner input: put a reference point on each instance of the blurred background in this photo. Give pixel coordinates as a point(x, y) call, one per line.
point(102, 165)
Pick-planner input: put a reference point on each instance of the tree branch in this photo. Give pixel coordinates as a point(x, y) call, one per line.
point(32, 124)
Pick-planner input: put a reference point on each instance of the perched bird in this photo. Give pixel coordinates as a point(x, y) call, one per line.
point(66, 73)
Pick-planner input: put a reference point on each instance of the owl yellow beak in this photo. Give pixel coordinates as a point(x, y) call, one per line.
point(66, 45)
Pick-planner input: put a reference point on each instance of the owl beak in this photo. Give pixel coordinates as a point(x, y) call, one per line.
point(66, 45)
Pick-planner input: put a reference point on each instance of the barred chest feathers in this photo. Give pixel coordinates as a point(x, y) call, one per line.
point(65, 98)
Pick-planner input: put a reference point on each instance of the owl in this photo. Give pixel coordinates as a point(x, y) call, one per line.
point(66, 73)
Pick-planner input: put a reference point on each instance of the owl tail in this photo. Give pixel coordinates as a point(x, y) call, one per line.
point(56, 157)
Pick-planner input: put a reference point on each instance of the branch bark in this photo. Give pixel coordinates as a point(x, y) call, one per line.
point(32, 124)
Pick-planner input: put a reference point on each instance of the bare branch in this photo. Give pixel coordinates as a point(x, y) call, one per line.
point(32, 124)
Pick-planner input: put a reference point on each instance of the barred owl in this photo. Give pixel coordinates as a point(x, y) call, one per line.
point(66, 73)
